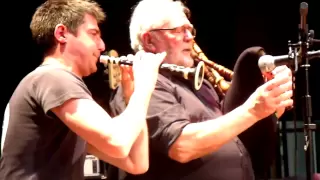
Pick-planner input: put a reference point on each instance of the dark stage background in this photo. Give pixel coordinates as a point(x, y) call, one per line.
point(224, 30)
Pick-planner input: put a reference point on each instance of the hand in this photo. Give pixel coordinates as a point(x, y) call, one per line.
point(278, 69)
point(270, 75)
point(146, 69)
point(273, 95)
point(127, 82)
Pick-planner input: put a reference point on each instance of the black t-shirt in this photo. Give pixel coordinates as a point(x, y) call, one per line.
point(38, 145)
point(173, 105)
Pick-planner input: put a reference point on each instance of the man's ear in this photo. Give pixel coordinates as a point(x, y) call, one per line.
point(148, 42)
point(60, 32)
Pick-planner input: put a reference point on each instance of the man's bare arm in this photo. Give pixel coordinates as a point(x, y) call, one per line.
point(199, 139)
point(112, 136)
point(136, 163)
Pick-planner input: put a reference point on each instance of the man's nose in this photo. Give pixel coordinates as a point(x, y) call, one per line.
point(189, 35)
point(101, 45)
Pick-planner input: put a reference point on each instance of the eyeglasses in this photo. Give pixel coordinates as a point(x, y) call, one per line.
point(179, 30)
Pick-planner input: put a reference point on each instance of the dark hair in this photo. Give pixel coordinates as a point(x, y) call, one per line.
point(67, 12)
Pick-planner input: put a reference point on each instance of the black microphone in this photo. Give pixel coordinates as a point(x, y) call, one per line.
point(267, 63)
point(303, 21)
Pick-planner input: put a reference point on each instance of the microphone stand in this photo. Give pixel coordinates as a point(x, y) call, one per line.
point(305, 40)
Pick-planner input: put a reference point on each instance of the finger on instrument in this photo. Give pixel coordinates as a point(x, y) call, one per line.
point(283, 97)
point(126, 72)
point(279, 69)
point(276, 91)
point(286, 103)
point(277, 81)
point(282, 70)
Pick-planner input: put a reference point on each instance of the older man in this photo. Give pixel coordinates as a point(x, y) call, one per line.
point(190, 137)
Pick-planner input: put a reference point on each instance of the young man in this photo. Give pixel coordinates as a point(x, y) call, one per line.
point(190, 137)
point(52, 120)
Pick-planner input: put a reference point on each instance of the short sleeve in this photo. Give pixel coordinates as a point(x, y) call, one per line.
point(56, 86)
point(166, 118)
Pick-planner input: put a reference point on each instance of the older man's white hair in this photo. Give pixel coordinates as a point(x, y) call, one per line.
point(151, 14)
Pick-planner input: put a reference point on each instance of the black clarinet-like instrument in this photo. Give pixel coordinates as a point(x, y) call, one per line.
point(195, 74)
